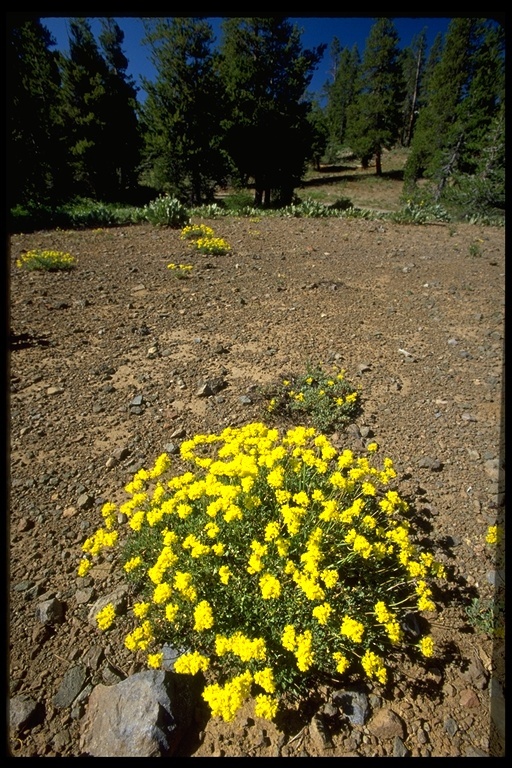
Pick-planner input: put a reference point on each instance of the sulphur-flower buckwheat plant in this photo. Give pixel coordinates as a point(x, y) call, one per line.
point(180, 270)
point(275, 561)
point(195, 231)
point(203, 239)
point(215, 246)
point(326, 401)
point(50, 261)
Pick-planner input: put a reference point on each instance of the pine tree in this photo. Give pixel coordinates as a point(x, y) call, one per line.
point(320, 132)
point(182, 114)
point(34, 159)
point(86, 112)
point(341, 94)
point(375, 117)
point(121, 138)
point(266, 73)
point(464, 94)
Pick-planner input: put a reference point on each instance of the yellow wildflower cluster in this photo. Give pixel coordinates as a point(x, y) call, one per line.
point(494, 535)
point(180, 268)
point(194, 231)
point(212, 245)
point(258, 529)
point(46, 260)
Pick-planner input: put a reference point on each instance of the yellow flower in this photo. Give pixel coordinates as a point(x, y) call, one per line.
point(155, 660)
point(493, 535)
point(374, 667)
point(191, 663)
point(162, 593)
point(224, 574)
point(288, 640)
point(203, 616)
point(141, 609)
point(265, 706)
point(426, 646)
point(105, 617)
point(265, 678)
point(84, 566)
point(352, 629)
point(171, 611)
point(342, 663)
point(304, 653)
point(225, 701)
point(322, 613)
point(270, 586)
point(133, 563)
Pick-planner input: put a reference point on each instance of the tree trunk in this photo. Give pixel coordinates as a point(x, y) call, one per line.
point(412, 115)
point(378, 163)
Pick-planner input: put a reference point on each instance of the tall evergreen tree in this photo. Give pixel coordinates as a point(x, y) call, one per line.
point(122, 136)
point(266, 73)
point(375, 117)
point(182, 114)
point(86, 113)
point(34, 156)
point(341, 94)
point(464, 94)
point(320, 132)
point(433, 59)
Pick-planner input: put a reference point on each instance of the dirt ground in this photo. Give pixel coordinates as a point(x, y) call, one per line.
point(106, 366)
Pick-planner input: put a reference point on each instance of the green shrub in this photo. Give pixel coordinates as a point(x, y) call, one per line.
point(166, 211)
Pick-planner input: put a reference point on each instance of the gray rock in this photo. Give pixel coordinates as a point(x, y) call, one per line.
point(135, 718)
point(210, 387)
point(353, 704)
point(450, 726)
point(121, 453)
point(84, 501)
point(24, 713)
point(73, 682)
point(50, 611)
point(427, 462)
point(399, 748)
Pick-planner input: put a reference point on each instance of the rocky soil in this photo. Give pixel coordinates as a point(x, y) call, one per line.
point(108, 366)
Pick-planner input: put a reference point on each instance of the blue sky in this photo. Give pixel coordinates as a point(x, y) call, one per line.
point(316, 30)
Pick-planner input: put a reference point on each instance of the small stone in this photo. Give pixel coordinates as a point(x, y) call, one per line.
point(469, 699)
point(386, 724)
point(54, 391)
point(450, 726)
point(50, 611)
point(84, 501)
point(399, 748)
